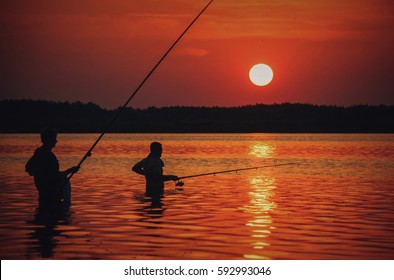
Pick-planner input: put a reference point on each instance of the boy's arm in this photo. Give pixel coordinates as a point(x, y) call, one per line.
point(138, 168)
point(158, 172)
point(170, 178)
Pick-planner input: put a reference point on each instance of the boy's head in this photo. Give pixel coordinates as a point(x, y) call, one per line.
point(156, 149)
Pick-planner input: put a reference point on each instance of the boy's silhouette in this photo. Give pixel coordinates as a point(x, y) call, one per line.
point(152, 168)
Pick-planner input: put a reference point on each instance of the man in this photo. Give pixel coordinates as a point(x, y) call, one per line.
point(51, 183)
point(152, 168)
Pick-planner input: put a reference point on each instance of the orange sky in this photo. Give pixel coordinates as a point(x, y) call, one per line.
point(322, 52)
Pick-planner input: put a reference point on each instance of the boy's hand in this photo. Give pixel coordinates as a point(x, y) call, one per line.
point(174, 178)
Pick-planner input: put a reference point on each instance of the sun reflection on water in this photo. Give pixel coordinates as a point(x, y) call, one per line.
point(260, 206)
point(262, 150)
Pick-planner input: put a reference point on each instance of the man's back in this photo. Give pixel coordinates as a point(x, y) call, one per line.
point(47, 177)
point(46, 167)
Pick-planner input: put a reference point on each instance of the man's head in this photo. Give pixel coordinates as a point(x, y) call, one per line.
point(156, 149)
point(48, 137)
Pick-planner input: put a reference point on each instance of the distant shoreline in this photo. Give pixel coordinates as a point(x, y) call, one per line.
point(30, 116)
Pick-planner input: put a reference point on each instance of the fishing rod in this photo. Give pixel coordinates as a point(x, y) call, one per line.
point(180, 183)
point(89, 152)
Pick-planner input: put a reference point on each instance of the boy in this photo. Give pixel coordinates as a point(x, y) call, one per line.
point(152, 168)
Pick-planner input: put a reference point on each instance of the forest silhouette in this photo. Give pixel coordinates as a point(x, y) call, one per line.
point(30, 116)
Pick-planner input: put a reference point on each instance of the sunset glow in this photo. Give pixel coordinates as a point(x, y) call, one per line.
point(98, 52)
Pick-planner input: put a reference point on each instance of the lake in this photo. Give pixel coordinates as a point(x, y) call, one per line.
point(335, 202)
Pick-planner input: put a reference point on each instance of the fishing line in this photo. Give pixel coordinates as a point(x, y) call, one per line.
point(89, 152)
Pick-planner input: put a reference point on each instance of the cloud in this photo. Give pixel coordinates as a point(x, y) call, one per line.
point(199, 52)
point(316, 20)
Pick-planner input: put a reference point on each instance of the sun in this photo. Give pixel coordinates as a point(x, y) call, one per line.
point(261, 74)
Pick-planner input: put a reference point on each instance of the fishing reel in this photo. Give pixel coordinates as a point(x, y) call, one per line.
point(179, 183)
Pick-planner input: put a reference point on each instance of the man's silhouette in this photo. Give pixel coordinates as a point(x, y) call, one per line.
point(152, 168)
point(51, 183)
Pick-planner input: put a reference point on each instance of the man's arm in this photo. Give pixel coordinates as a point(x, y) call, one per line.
point(73, 169)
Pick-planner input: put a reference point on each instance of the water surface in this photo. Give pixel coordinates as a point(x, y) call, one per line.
point(335, 202)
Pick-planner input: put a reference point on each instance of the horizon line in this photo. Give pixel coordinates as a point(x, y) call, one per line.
point(193, 106)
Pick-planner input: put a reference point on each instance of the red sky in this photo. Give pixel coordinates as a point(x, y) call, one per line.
point(322, 52)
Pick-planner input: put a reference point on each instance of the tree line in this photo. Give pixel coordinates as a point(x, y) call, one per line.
point(30, 116)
